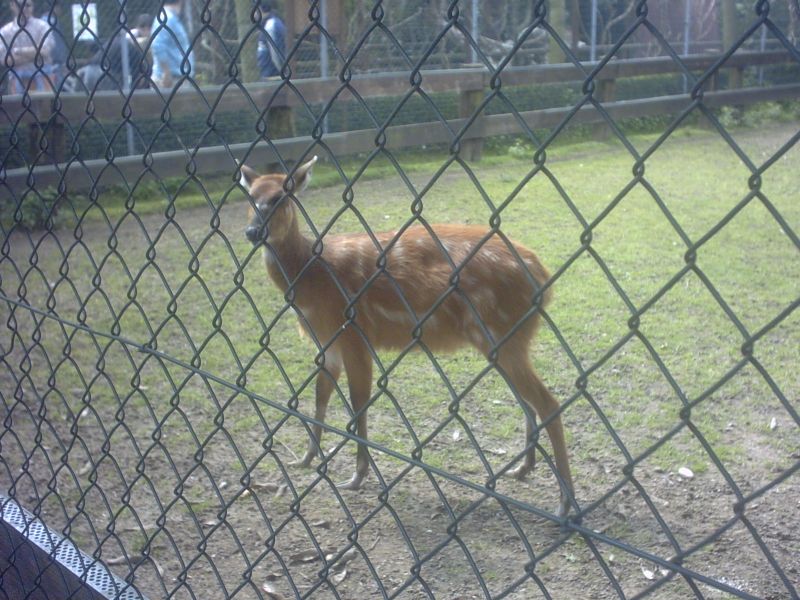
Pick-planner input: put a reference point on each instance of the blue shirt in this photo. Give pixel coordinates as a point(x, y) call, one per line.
point(271, 46)
point(170, 46)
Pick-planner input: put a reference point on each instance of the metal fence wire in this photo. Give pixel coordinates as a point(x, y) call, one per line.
point(155, 394)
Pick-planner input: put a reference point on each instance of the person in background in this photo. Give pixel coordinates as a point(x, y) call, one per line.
point(138, 65)
point(60, 50)
point(271, 51)
point(23, 40)
point(142, 29)
point(170, 46)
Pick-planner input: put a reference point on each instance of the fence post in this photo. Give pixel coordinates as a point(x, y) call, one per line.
point(50, 132)
point(605, 93)
point(687, 30)
point(468, 102)
point(593, 35)
point(280, 122)
point(730, 31)
point(558, 19)
point(475, 31)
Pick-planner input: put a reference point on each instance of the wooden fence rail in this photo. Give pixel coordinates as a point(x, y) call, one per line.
point(44, 110)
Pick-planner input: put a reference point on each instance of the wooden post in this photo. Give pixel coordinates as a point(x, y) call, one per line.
point(468, 102)
point(247, 39)
point(605, 93)
point(730, 31)
point(280, 122)
point(53, 133)
point(557, 16)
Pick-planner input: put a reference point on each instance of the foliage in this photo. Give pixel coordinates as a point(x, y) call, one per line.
point(758, 114)
point(36, 210)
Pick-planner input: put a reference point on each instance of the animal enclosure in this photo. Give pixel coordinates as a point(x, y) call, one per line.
point(157, 397)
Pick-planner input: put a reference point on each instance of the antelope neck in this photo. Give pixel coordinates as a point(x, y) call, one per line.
point(287, 256)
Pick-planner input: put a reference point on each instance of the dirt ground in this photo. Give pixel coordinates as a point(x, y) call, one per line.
point(197, 501)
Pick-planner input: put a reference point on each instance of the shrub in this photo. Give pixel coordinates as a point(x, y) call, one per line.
point(36, 210)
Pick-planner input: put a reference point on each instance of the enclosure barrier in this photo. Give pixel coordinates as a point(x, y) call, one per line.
point(471, 85)
point(151, 405)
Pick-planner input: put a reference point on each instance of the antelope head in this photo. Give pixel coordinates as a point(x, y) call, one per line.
point(272, 213)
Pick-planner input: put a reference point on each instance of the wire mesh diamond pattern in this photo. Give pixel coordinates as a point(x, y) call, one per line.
point(159, 405)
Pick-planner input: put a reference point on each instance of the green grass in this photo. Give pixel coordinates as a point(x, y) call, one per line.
point(750, 263)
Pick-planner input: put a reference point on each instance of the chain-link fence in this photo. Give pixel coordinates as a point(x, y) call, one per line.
point(163, 422)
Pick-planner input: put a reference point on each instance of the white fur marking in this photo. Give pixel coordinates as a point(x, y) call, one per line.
point(432, 322)
point(392, 316)
point(476, 336)
point(243, 182)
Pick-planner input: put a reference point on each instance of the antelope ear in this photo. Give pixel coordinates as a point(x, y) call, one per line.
point(247, 177)
point(302, 176)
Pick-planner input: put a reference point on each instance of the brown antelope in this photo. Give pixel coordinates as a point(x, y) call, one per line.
point(492, 302)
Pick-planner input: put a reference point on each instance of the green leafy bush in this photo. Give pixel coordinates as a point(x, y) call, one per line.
point(36, 210)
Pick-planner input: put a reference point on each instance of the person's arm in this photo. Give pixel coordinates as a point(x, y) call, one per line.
point(46, 39)
point(166, 74)
point(159, 49)
point(12, 45)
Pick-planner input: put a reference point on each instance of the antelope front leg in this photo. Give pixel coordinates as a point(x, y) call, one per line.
point(326, 382)
point(359, 376)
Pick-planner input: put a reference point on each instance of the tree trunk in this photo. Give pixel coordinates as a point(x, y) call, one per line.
point(557, 17)
point(730, 31)
point(244, 25)
point(575, 24)
point(794, 21)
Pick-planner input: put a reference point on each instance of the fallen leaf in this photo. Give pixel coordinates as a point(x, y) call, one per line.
point(158, 567)
point(348, 556)
point(304, 556)
point(271, 592)
point(133, 561)
point(267, 486)
point(497, 451)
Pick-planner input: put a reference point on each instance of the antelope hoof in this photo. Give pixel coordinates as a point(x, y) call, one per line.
point(353, 484)
point(522, 470)
point(304, 462)
point(563, 507)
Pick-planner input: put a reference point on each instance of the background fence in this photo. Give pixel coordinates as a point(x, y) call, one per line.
point(153, 391)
